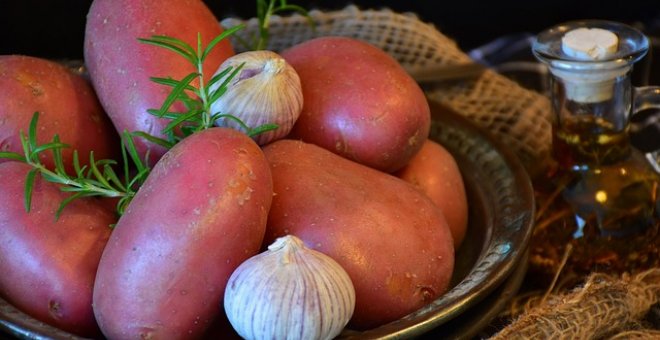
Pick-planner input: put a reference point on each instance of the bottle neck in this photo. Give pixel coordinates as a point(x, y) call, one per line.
point(591, 120)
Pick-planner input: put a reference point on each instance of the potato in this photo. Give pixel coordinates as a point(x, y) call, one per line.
point(391, 239)
point(120, 66)
point(434, 172)
point(359, 102)
point(48, 266)
point(201, 212)
point(67, 104)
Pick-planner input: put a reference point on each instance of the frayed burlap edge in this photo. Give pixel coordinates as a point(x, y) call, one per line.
point(605, 307)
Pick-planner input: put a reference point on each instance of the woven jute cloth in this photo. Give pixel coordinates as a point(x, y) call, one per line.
point(518, 117)
point(604, 307)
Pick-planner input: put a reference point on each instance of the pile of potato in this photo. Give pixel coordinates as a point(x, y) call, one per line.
point(357, 179)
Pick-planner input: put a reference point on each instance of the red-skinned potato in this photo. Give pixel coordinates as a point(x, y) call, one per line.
point(391, 239)
point(434, 172)
point(201, 212)
point(359, 102)
point(67, 106)
point(48, 266)
point(120, 66)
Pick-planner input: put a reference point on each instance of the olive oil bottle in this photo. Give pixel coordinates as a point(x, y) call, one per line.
point(597, 205)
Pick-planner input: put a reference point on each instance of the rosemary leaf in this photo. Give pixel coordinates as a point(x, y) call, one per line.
point(25, 145)
point(170, 82)
point(261, 129)
point(190, 103)
point(172, 44)
point(182, 118)
point(29, 188)
point(176, 91)
point(160, 141)
point(76, 164)
point(66, 202)
point(94, 169)
point(188, 130)
point(57, 155)
point(124, 158)
point(122, 204)
point(49, 146)
point(243, 126)
point(217, 93)
point(55, 178)
point(226, 33)
point(127, 140)
point(167, 115)
point(32, 132)
point(12, 155)
point(219, 76)
point(104, 162)
point(77, 188)
point(139, 178)
point(112, 177)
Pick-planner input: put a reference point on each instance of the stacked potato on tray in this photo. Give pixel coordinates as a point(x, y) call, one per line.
point(356, 179)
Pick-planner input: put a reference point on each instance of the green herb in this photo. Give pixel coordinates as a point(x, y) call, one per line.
point(198, 115)
point(266, 9)
point(98, 178)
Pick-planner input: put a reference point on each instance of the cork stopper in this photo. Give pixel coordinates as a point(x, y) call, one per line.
point(590, 44)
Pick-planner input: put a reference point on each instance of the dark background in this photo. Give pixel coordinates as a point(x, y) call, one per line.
point(54, 28)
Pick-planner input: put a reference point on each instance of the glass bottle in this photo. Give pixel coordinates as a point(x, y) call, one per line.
point(597, 206)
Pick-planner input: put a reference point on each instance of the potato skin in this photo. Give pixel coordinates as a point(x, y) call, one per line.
point(67, 104)
point(391, 239)
point(434, 172)
point(359, 102)
point(48, 266)
point(201, 212)
point(120, 66)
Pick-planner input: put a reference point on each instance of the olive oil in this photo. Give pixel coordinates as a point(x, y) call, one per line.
point(598, 207)
point(589, 140)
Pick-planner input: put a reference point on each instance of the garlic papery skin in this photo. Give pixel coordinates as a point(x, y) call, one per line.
point(289, 292)
point(266, 90)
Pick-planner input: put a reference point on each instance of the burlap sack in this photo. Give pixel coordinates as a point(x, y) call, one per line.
point(518, 117)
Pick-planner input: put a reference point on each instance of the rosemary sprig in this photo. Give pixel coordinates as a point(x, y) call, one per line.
point(98, 178)
point(196, 99)
point(265, 10)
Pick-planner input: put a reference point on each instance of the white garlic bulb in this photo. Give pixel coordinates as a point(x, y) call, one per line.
point(266, 90)
point(289, 292)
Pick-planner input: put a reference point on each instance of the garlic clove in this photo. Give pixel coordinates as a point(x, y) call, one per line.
point(289, 292)
point(266, 90)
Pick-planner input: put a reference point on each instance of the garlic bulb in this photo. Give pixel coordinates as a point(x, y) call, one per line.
point(266, 90)
point(289, 292)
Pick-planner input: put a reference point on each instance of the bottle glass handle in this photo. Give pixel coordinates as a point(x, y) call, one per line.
point(648, 98)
